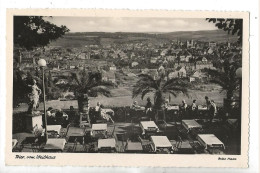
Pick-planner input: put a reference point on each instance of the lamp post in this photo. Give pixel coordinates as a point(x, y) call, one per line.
point(42, 64)
point(239, 76)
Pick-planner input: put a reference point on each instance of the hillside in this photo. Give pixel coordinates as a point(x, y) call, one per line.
point(84, 38)
point(212, 35)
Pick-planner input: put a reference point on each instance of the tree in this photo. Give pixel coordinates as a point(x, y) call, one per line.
point(85, 84)
point(226, 78)
point(19, 87)
point(34, 31)
point(147, 84)
point(233, 26)
point(30, 32)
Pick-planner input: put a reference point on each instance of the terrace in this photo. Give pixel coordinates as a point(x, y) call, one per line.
point(131, 133)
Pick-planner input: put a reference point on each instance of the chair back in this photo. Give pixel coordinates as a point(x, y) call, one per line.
point(110, 133)
point(36, 131)
point(67, 129)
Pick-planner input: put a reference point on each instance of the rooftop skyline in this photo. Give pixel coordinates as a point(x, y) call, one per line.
point(130, 24)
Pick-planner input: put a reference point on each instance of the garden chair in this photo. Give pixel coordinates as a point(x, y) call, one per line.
point(127, 113)
point(110, 133)
point(73, 147)
point(197, 147)
point(148, 148)
point(18, 148)
point(63, 133)
point(36, 147)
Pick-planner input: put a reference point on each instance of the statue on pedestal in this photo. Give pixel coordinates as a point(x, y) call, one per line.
point(34, 97)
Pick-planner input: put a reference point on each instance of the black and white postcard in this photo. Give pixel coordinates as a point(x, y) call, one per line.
point(127, 88)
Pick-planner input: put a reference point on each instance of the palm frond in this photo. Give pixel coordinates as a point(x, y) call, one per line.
point(176, 82)
point(214, 73)
point(173, 93)
point(139, 91)
point(146, 91)
point(99, 90)
point(146, 78)
point(93, 84)
point(219, 82)
point(178, 90)
point(76, 77)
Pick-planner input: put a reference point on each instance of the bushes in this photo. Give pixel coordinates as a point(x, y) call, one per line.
point(70, 97)
point(19, 123)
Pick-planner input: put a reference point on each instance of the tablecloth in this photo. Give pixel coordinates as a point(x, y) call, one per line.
point(56, 128)
point(210, 140)
point(190, 124)
point(55, 144)
point(160, 142)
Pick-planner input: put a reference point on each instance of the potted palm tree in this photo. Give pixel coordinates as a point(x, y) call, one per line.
point(86, 85)
point(227, 79)
point(160, 86)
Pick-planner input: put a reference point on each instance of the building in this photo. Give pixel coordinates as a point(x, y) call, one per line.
point(72, 67)
point(153, 60)
point(212, 44)
point(84, 56)
point(108, 76)
point(152, 72)
point(56, 67)
point(190, 43)
point(170, 58)
point(210, 51)
point(164, 52)
point(204, 65)
point(131, 75)
point(112, 67)
point(161, 70)
point(204, 60)
point(198, 76)
point(182, 58)
point(178, 73)
point(134, 64)
point(61, 81)
point(187, 58)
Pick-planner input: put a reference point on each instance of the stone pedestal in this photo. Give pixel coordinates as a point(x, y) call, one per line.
point(32, 120)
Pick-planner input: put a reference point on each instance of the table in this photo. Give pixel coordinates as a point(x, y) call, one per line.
point(134, 147)
point(139, 108)
point(136, 113)
point(191, 124)
point(76, 132)
point(106, 143)
point(159, 142)
point(55, 144)
point(148, 126)
point(202, 108)
point(233, 123)
point(175, 108)
point(14, 143)
point(210, 141)
point(98, 128)
point(55, 128)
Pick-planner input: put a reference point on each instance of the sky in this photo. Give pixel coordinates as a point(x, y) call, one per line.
point(127, 24)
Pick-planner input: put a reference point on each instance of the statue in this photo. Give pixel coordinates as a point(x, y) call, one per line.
point(34, 97)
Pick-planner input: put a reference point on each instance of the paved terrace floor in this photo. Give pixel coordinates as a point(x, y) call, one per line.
point(123, 131)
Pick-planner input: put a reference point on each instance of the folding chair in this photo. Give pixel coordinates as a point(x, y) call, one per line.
point(110, 133)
